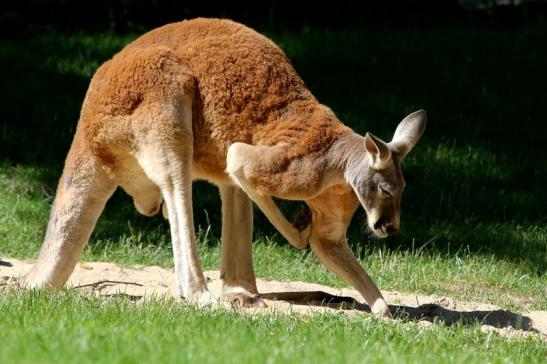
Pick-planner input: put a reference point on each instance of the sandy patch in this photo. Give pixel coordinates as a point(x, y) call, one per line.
point(138, 282)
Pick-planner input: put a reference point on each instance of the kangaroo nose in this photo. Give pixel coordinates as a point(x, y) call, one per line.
point(385, 226)
point(390, 229)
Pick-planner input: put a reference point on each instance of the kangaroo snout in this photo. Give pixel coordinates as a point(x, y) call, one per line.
point(383, 227)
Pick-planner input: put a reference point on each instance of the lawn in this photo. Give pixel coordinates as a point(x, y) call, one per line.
point(66, 326)
point(474, 222)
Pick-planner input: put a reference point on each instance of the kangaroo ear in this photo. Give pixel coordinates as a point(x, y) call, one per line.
point(408, 132)
point(377, 150)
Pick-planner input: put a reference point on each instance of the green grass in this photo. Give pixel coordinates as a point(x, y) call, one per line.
point(474, 223)
point(65, 327)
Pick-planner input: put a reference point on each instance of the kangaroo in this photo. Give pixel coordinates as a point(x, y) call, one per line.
point(214, 100)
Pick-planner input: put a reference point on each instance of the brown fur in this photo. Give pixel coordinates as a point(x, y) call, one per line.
point(245, 91)
point(212, 99)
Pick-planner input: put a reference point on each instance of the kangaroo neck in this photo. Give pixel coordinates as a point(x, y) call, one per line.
point(348, 155)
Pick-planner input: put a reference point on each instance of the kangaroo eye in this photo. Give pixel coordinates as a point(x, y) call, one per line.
point(385, 191)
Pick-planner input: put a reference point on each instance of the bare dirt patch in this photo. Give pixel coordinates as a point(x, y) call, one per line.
point(139, 282)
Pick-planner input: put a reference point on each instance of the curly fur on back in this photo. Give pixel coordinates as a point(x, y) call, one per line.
point(244, 87)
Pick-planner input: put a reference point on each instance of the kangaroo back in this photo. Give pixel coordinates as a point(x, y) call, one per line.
point(247, 91)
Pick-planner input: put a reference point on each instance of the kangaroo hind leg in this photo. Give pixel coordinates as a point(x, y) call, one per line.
point(81, 195)
point(236, 266)
point(165, 155)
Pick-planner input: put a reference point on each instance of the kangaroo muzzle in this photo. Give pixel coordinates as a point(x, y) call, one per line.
point(384, 227)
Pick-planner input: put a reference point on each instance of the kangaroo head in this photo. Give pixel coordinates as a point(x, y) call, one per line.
point(378, 181)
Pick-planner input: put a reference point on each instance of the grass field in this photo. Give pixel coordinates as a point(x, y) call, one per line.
point(67, 326)
point(474, 223)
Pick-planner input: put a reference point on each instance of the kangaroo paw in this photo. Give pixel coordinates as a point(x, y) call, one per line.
point(243, 299)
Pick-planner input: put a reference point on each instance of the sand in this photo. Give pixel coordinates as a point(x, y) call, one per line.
point(140, 282)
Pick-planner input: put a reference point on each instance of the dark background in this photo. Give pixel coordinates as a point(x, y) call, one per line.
point(139, 15)
point(478, 178)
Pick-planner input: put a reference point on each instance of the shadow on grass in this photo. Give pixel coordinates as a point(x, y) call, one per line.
point(427, 312)
point(5, 264)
